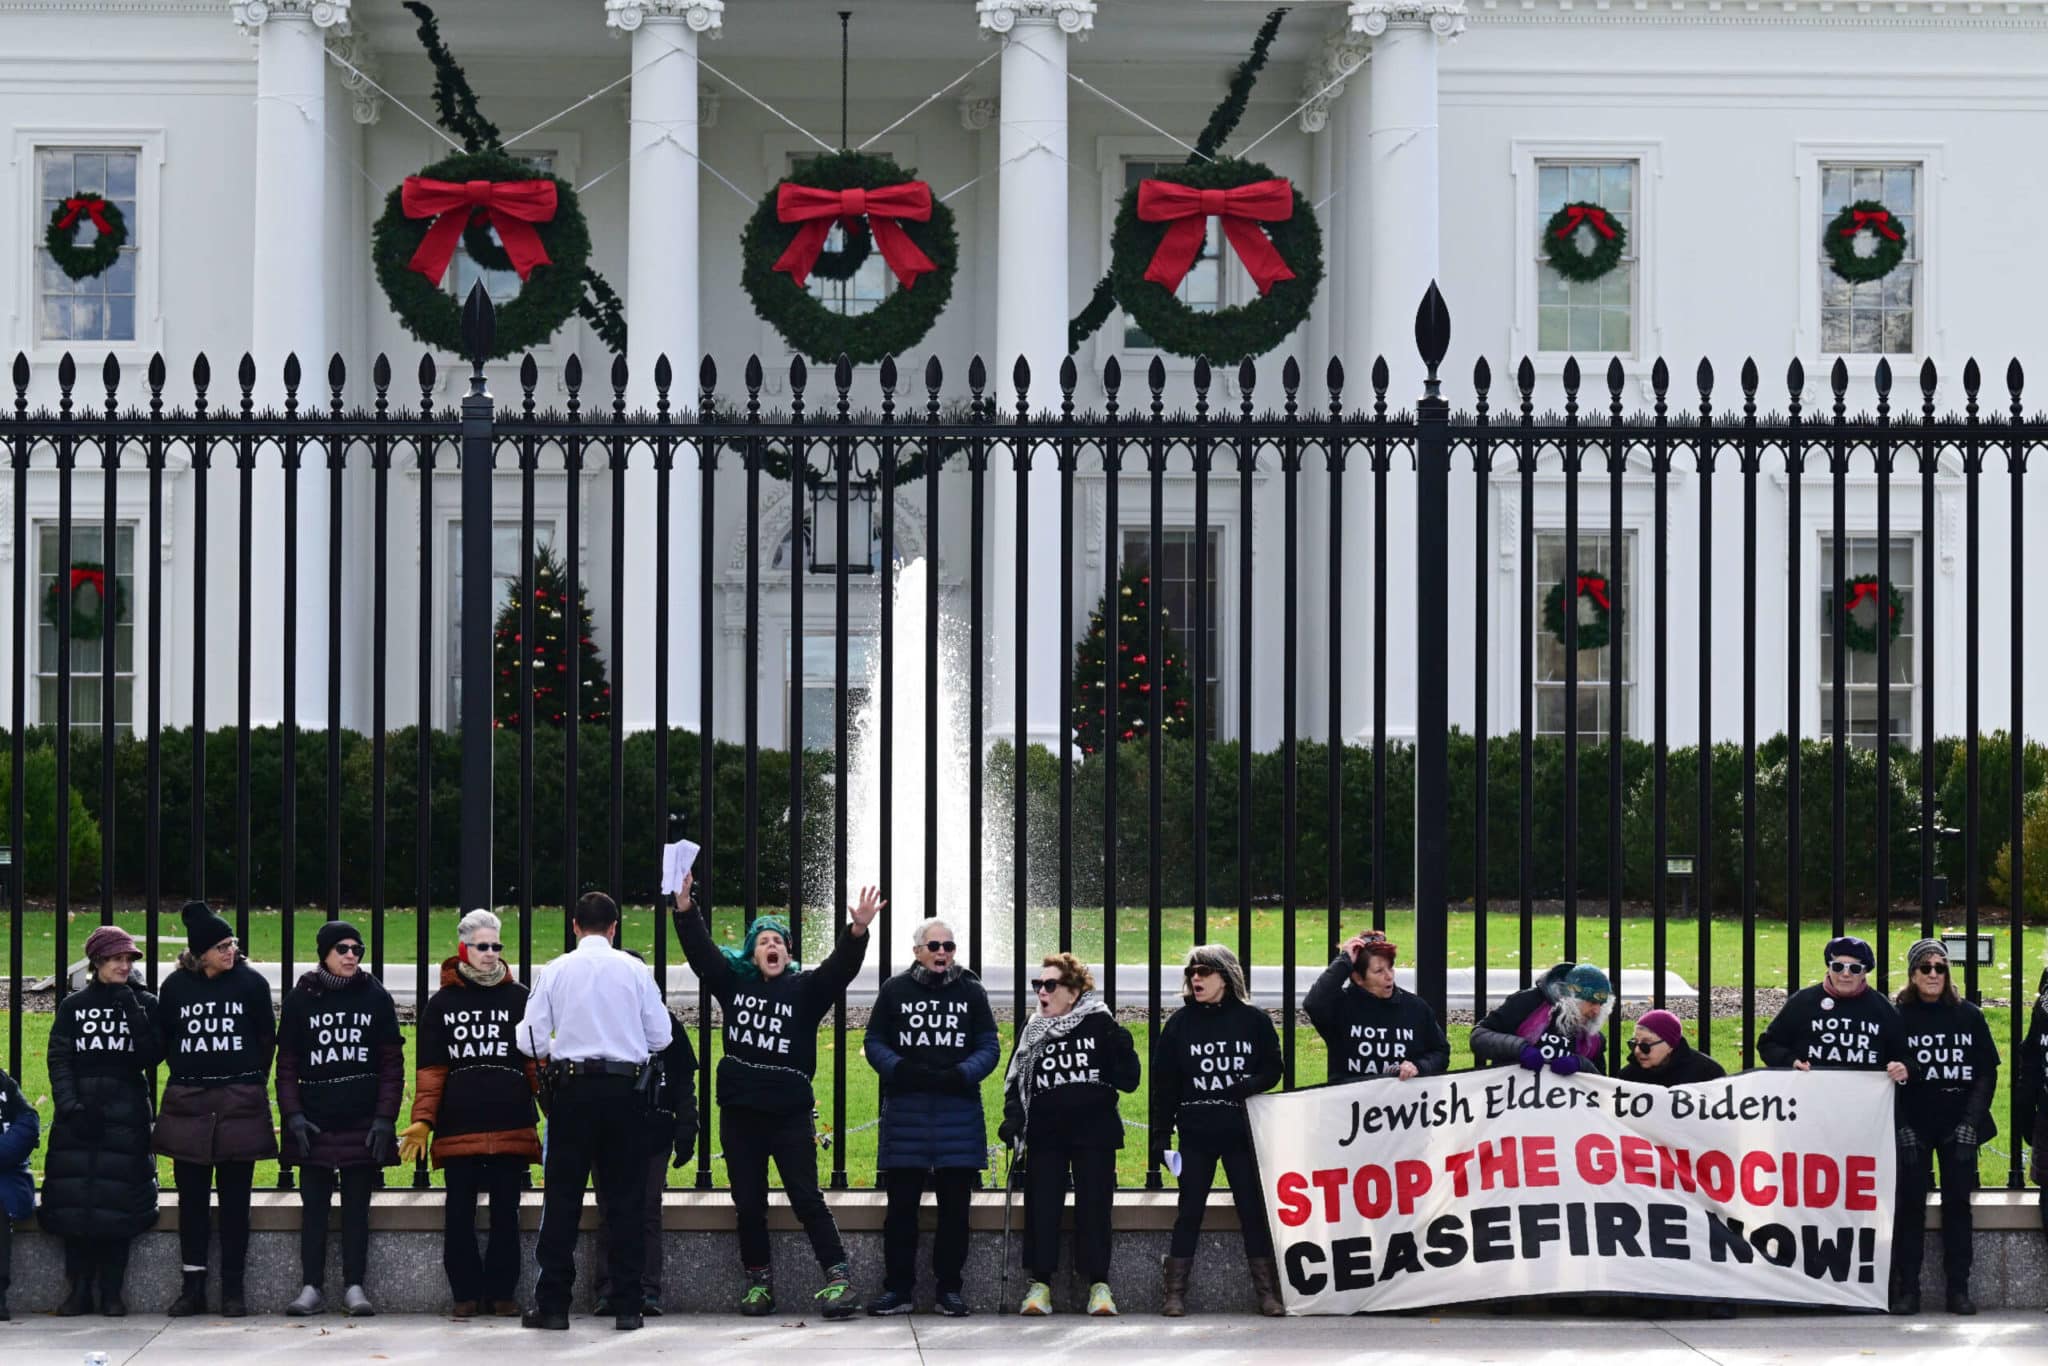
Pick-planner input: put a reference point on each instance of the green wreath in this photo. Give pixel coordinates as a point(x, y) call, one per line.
point(894, 326)
point(1229, 334)
point(548, 298)
point(1561, 241)
point(1592, 635)
point(1857, 636)
point(848, 259)
point(1865, 215)
point(86, 623)
point(83, 263)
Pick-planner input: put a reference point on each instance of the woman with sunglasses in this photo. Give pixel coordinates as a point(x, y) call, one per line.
point(1947, 1114)
point(1838, 1023)
point(340, 1078)
point(472, 1103)
point(1218, 1050)
point(1060, 1098)
point(931, 1038)
point(219, 1034)
point(1660, 1056)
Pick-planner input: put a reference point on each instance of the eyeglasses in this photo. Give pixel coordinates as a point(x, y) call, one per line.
point(1933, 969)
point(351, 950)
point(1851, 968)
point(488, 948)
point(1201, 970)
point(939, 946)
point(1048, 986)
point(1644, 1045)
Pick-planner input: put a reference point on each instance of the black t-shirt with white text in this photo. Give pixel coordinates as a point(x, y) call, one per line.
point(1953, 1062)
point(217, 1031)
point(1846, 1033)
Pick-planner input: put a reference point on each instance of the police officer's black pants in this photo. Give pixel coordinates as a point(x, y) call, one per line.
point(752, 1139)
point(196, 1182)
point(1045, 1195)
point(593, 1123)
point(495, 1275)
point(1198, 1178)
point(1909, 1231)
point(316, 1189)
point(906, 1186)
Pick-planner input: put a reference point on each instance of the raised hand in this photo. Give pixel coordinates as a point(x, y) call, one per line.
point(863, 912)
point(683, 892)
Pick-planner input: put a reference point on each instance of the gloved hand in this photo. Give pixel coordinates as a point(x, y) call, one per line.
point(686, 1151)
point(1009, 1132)
point(78, 1118)
point(1532, 1057)
point(1965, 1135)
point(1566, 1065)
point(302, 1131)
point(412, 1144)
point(382, 1141)
point(954, 1082)
point(912, 1075)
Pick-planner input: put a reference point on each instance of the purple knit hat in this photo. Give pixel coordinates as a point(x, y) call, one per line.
point(1664, 1025)
point(111, 941)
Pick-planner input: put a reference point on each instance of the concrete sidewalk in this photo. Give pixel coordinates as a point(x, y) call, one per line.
point(2004, 1339)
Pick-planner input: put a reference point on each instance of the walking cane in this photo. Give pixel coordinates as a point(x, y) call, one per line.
point(1009, 1189)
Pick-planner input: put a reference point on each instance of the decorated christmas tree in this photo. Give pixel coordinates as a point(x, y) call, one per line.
point(551, 644)
point(1133, 711)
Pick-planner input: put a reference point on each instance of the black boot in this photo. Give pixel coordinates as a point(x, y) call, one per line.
point(77, 1299)
point(112, 1274)
point(233, 1304)
point(192, 1299)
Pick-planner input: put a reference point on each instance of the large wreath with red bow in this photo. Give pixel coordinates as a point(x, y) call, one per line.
point(1160, 231)
point(1865, 216)
point(882, 207)
point(93, 591)
point(1593, 632)
point(1561, 241)
point(61, 237)
point(1861, 590)
point(543, 234)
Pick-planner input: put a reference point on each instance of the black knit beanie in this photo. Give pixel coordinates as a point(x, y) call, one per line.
point(332, 933)
point(204, 929)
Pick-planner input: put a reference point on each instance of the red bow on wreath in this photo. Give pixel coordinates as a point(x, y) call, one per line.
point(96, 577)
point(1877, 220)
point(1596, 586)
point(1576, 214)
point(1860, 590)
point(512, 206)
point(1187, 210)
point(819, 209)
point(93, 208)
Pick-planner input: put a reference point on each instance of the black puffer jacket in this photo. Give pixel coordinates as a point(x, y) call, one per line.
point(100, 1181)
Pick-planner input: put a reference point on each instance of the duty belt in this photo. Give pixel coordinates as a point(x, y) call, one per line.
point(596, 1067)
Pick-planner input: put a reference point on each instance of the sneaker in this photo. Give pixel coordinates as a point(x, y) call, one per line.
point(357, 1303)
point(309, 1303)
point(953, 1304)
point(887, 1303)
point(1100, 1302)
point(603, 1308)
point(650, 1307)
point(759, 1299)
point(836, 1298)
point(1037, 1300)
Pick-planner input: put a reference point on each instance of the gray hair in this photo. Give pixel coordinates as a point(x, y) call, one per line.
point(1221, 959)
point(924, 928)
point(477, 920)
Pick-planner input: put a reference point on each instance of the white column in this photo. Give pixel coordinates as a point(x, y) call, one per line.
point(1032, 309)
point(1390, 209)
point(663, 303)
point(289, 263)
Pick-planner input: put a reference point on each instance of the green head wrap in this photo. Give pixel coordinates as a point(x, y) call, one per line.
point(742, 958)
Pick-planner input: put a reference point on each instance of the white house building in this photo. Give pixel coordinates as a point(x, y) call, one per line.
point(251, 146)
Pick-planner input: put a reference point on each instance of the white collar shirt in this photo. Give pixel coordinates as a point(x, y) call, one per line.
point(595, 1002)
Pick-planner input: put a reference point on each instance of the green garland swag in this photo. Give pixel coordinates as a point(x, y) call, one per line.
point(1230, 334)
point(86, 625)
point(1865, 215)
point(1592, 635)
point(547, 300)
point(1858, 637)
point(1561, 241)
point(899, 323)
point(83, 263)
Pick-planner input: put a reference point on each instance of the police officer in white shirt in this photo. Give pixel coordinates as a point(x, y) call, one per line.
point(594, 1019)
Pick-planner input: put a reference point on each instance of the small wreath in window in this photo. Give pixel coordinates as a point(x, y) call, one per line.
point(97, 256)
point(1290, 234)
point(1593, 631)
point(1860, 597)
point(1865, 241)
point(552, 285)
point(1561, 241)
point(92, 591)
point(781, 248)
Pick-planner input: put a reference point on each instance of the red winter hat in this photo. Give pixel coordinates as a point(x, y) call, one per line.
point(111, 941)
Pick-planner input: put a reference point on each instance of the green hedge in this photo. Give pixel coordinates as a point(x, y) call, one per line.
point(641, 829)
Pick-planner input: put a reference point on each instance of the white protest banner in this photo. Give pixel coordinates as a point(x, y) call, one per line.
point(1769, 1186)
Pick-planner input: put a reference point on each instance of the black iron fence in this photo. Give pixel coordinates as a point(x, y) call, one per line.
point(1009, 435)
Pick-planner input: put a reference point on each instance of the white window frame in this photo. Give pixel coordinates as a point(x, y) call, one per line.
point(1906, 697)
point(1809, 160)
point(856, 674)
point(148, 144)
point(1636, 553)
point(1527, 155)
point(1223, 661)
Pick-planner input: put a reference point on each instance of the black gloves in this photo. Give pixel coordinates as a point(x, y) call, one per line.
point(686, 1151)
point(1009, 1131)
point(302, 1131)
point(912, 1075)
point(382, 1141)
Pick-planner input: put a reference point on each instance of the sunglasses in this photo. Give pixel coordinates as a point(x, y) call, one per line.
point(939, 946)
point(1644, 1045)
point(1853, 969)
point(349, 950)
point(1201, 970)
point(1048, 986)
point(1933, 969)
point(488, 948)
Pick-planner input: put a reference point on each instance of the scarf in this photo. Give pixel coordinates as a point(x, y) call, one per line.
point(476, 976)
point(742, 958)
point(925, 977)
point(1827, 984)
point(329, 982)
point(1041, 1030)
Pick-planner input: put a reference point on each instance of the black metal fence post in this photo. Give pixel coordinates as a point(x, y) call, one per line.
point(1432, 656)
point(479, 326)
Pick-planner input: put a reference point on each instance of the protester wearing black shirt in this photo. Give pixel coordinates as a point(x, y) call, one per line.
point(1060, 1098)
point(99, 1186)
point(1838, 1023)
point(214, 1124)
point(1216, 1051)
point(1660, 1056)
point(1372, 1027)
point(2029, 1091)
point(340, 1080)
point(1947, 1114)
point(772, 1007)
point(931, 1038)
